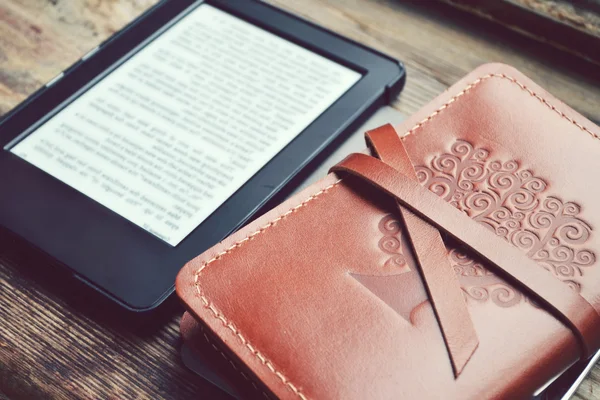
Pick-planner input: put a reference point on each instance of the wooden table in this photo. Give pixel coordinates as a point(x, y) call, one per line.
point(56, 341)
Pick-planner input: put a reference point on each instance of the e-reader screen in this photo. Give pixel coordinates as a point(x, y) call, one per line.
point(175, 129)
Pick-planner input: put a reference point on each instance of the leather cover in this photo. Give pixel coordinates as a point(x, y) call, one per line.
point(323, 297)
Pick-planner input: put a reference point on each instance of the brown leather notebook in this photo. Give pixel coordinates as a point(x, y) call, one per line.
point(456, 258)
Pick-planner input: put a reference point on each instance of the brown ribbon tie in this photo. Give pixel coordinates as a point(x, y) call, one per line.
point(425, 216)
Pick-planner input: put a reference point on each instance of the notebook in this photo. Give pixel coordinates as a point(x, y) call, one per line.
point(455, 258)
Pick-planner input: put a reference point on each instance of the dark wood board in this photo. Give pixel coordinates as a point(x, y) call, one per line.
point(572, 26)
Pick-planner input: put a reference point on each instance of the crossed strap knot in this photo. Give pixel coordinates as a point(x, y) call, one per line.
point(425, 216)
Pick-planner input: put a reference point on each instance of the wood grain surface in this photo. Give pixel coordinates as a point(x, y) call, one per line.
point(57, 340)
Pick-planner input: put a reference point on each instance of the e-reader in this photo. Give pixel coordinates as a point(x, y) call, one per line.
point(170, 135)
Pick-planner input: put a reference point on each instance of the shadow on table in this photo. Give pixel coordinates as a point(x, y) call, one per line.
point(31, 271)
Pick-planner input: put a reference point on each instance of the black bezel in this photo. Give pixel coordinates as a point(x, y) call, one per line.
point(120, 259)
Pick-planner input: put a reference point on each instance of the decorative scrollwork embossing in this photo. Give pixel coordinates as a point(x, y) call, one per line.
point(391, 242)
point(510, 202)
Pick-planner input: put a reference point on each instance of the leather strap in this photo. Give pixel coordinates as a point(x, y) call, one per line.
point(441, 282)
point(508, 261)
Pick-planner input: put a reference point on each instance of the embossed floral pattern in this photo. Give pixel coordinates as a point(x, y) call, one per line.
point(482, 285)
point(390, 243)
point(511, 202)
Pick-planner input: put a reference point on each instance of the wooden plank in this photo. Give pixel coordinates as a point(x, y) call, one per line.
point(40, 38)
point(55, 341)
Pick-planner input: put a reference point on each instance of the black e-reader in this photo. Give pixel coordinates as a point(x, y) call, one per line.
point(170, 135)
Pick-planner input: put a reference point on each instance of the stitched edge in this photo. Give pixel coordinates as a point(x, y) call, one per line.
point(218, 315)
point(226, 358)
point(513, 80)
